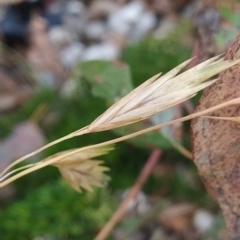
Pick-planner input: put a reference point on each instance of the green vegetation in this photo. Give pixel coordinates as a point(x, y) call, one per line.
point(55, 210)
point(45, 206)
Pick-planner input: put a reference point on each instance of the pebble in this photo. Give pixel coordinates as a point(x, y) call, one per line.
point(72, 54)
point(74, 18)
point(122, 20)
point(59, 37)
point(144, 25)
point(103, 51)
point(75, 7)
point(203, 220)
point(95, 30)
point(139, 203)
point(209, 19)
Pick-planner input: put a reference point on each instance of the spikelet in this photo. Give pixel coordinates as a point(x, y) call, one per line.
point(79, 170)
point(159, 93)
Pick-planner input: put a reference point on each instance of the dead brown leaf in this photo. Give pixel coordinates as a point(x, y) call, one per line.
point(216, 143)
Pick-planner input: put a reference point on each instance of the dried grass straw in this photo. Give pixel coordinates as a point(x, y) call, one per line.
point(156, 94)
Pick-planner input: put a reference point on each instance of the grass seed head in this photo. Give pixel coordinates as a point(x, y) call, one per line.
point(159, 93)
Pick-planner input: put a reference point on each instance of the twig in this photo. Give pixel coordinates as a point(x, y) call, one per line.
point(151, 162)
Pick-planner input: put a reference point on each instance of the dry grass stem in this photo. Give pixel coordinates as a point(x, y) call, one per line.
point(154, 95)
point(83, 131)
point(76, 167)
point(54, 160)
point(180, 148)
point(233, 119)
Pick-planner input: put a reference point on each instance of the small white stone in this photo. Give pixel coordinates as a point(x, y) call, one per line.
point(144, 25)
point(74, 18)
point(203, 220)
point(122, 20)
point(75, 7)
point(75, 24)
point(139, 203)
point(95, 30)
point(143, 205)
point(104, 51)
point(72, 54)
point(59, 37)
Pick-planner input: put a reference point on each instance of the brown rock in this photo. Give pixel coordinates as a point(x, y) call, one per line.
point(216, 143)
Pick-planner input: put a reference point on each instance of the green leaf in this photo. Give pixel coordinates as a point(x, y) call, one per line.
point(226, 13)
point(108, 80)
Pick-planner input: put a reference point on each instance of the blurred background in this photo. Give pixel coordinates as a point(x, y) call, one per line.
point(62, 63)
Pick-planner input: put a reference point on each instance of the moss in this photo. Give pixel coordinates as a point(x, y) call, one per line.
point(57, 211)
